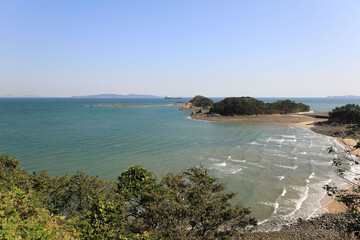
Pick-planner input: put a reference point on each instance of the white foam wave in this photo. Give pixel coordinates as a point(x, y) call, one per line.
point(312, 175)
point(236, 170)
point(223, 164)
point(237, 160)
point(283, 192)
point(298, 202)
point(280, 177)
point(288, 136)
point(283, 166)
point(303, 153)
point(277, 140)
point(255, 143)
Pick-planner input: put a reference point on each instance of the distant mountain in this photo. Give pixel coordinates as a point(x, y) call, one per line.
point(116, 96)
point(346, 96)
point(23, 96)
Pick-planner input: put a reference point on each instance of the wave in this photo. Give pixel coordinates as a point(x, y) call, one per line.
point(298, 202)
point(288, 136)
point(280, 177)
point(237, 160)
point(277, 200)
point(255, 143)
point(289, 167)
point(223, 164)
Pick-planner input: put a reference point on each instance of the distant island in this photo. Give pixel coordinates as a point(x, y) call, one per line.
point(345, 96)
point(117, 96)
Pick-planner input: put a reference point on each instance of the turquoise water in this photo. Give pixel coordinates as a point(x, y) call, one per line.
point(277, 170)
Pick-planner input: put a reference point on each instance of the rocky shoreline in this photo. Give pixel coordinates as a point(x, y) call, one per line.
point(326, 226)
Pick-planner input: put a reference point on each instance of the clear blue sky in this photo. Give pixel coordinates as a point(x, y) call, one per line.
point(181, 48)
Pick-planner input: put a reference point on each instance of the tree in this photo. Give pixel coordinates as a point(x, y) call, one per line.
point(349, 113)
point(252, 106)
point(201, 101)
point(182, 206)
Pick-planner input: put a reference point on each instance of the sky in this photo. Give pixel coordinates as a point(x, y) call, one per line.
point(61, 48)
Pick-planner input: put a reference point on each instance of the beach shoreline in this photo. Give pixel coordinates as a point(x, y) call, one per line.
point(297, 119)
point(300, 120)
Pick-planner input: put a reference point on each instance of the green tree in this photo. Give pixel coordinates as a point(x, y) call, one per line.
point(190, 205)
point(252, 106)
point(201, 101)
point(104, 219)
point(349, 113)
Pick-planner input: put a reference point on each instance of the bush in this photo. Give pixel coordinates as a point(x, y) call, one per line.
point(349, 113)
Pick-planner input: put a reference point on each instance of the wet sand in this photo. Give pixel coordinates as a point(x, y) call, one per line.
point(291, 119)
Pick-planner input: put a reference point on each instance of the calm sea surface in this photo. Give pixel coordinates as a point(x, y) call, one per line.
point(277, 170)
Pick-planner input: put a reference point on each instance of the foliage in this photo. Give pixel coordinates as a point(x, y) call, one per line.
point(349, 113)
point(354, 130)
point(252, 106)
point(134, 181)
point(68, 196)
point(201, 101)
point(190, 205)
point(22, 217)
point(104, 219)
point(12, 175)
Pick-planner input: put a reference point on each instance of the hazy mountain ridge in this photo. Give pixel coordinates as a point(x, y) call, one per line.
point(345, 96)
point(117, 96)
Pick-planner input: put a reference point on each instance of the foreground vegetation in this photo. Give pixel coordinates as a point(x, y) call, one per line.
point(251, 106)
point(190, 205)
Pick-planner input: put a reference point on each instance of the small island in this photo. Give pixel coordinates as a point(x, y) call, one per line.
point(250, 110)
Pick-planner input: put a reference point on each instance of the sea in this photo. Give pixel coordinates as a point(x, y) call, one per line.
point(277, 170)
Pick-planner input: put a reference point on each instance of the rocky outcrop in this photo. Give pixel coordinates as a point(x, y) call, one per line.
point(189, 107)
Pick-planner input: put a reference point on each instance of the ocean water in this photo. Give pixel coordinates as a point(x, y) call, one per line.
point(277, 170)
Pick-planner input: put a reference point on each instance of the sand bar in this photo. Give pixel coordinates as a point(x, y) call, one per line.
point(292, 119)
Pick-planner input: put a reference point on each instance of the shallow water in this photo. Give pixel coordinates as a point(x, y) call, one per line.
point(277, 170)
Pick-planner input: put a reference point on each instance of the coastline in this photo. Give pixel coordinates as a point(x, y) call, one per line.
point(300, 120)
